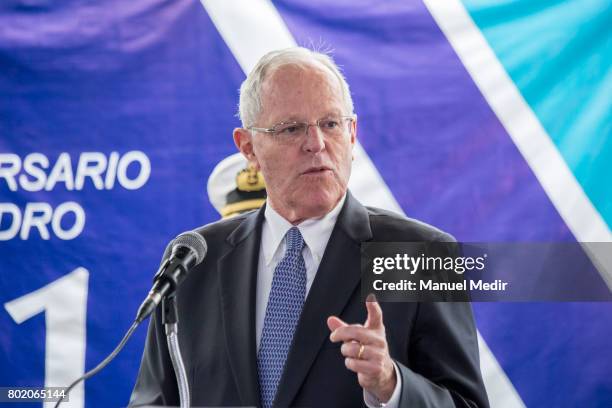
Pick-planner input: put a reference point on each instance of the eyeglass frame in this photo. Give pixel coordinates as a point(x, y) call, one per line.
point(275, 132)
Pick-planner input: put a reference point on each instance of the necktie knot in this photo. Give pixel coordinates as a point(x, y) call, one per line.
point(295, 241)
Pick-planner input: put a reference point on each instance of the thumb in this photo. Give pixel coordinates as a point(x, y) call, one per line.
point(334, 322)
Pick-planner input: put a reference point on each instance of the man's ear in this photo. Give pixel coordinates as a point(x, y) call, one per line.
point(353, 131)
point(243, 139)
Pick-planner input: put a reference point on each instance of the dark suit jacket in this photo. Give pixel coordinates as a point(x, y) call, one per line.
point(434, 344)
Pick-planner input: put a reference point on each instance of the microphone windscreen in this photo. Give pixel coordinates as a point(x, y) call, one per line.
point(193, 241)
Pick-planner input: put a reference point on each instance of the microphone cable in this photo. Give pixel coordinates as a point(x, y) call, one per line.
point(103, 364)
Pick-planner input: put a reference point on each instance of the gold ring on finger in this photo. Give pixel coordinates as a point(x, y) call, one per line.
point(361, 350)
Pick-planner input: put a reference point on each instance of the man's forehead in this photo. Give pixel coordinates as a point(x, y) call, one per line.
point(285, 84)
point(289, 73)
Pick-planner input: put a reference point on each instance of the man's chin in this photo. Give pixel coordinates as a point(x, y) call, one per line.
point(317, 203)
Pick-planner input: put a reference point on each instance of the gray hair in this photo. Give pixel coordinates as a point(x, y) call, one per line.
point(249, 107)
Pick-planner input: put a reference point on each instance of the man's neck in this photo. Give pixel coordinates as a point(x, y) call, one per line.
point(297, 216)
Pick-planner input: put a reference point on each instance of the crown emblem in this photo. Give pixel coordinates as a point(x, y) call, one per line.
point(250, 179)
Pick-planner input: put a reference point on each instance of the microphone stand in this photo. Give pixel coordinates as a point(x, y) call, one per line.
point(170, 321)
point(190, 249)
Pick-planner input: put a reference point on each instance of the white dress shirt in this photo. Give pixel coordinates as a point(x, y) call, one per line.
point(316, 233)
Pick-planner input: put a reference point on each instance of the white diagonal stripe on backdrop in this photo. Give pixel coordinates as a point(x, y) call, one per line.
point(526, 131)
point(251, 28)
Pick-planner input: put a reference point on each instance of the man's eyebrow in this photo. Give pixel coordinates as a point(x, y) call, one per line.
point(292, 118)
point(332, 112)
point(300, 119)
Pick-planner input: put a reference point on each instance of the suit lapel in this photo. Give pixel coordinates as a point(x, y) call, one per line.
point(238, 277)
point(337, 278)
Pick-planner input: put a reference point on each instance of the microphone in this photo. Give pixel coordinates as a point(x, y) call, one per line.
point(181, 255)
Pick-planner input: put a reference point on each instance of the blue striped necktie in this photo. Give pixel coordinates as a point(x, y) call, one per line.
point(282, 314)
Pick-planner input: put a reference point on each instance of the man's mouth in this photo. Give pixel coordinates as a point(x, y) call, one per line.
point(316, 170)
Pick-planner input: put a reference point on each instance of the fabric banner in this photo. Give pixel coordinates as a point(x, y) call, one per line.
point(487, 119)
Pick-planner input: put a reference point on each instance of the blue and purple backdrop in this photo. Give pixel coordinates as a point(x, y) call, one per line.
point(488, 119)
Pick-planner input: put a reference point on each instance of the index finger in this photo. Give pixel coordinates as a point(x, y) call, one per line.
point(375, 315)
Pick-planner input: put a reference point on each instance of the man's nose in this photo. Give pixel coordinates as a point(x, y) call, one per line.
point(314, 139)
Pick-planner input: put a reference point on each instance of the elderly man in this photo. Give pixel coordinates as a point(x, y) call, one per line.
point(273, 316)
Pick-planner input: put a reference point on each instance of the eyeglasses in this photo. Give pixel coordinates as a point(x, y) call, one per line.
point(331, 126)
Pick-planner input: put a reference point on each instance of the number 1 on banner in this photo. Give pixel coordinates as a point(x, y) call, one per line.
point(64, 302)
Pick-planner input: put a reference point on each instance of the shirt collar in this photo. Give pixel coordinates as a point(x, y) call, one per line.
point(315, 231)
